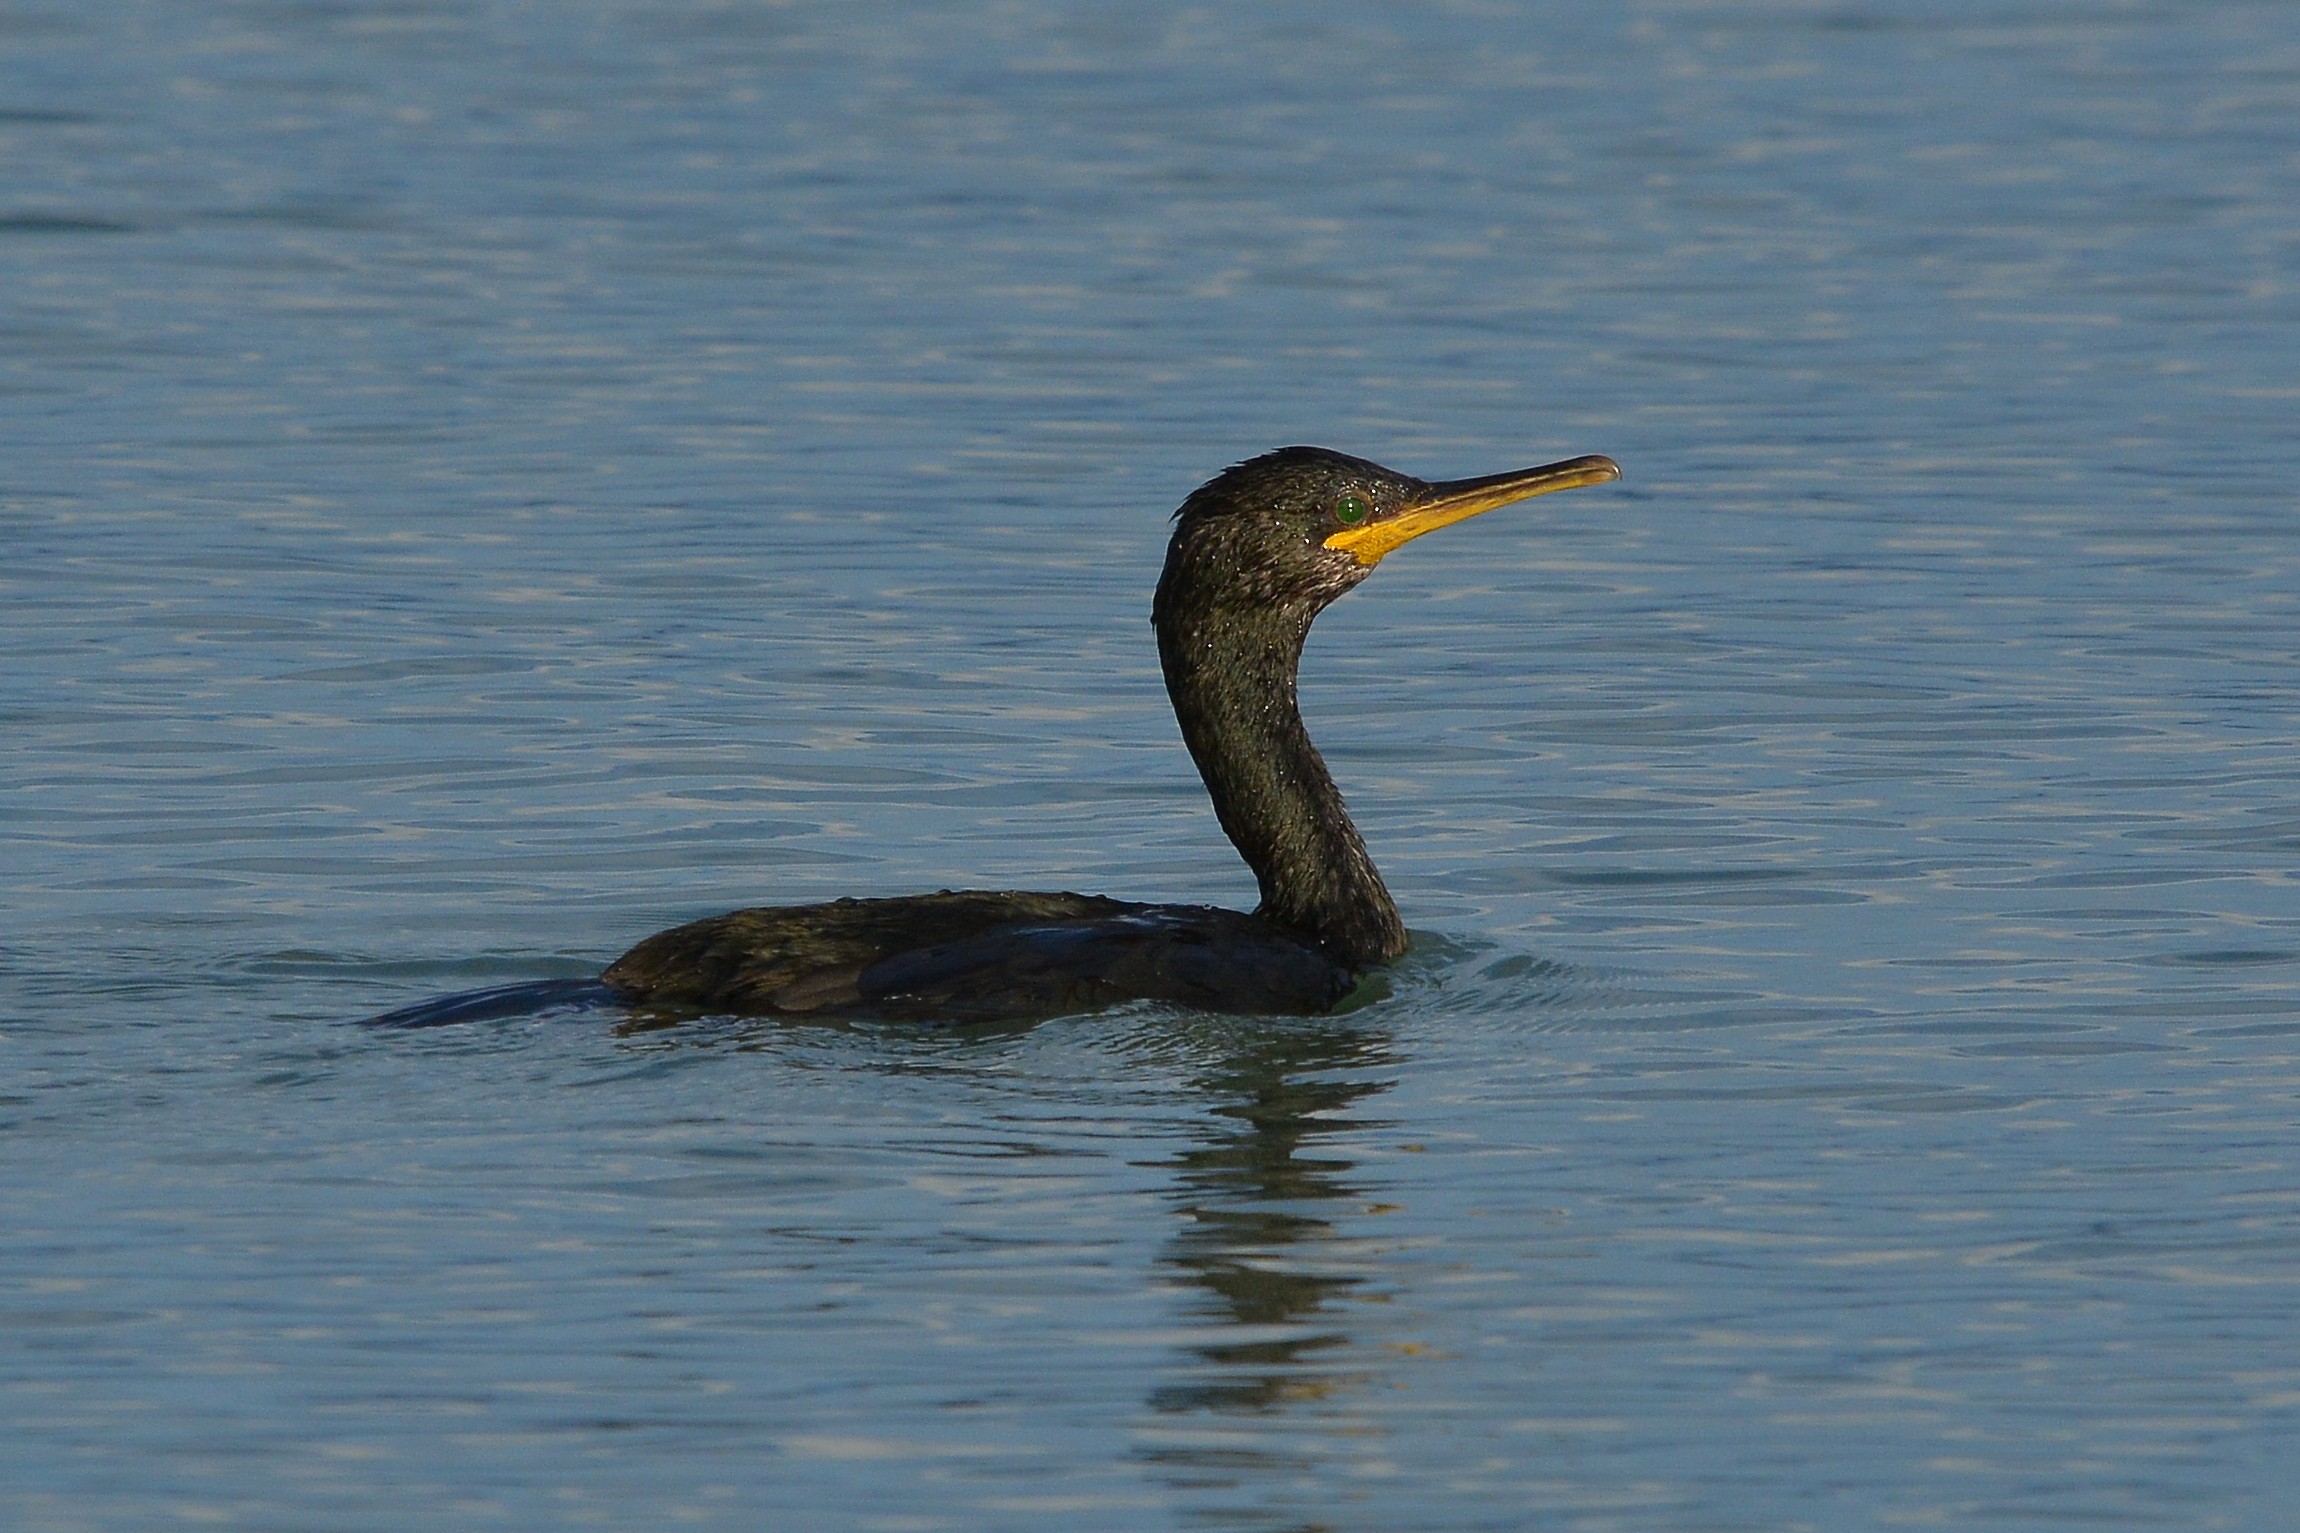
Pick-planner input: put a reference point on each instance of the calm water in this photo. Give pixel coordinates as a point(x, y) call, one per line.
point(484, 481)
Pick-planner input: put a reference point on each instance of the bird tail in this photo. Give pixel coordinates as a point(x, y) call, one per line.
point(526, 999)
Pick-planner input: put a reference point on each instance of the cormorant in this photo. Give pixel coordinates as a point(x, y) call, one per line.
point(1257, 553)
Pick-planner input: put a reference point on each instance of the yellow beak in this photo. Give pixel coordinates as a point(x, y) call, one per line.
point(1458, 500)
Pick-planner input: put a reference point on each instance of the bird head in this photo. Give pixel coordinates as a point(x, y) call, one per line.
point(1295, 528)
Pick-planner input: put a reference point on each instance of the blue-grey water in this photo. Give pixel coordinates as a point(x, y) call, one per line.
point(482, 481)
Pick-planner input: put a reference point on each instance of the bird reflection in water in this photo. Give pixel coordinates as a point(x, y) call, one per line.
point(1262, 1211)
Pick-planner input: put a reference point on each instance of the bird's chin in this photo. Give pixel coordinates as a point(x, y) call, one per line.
point(1338, 574)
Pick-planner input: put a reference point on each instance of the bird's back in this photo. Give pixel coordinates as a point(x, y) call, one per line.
point(978, 955)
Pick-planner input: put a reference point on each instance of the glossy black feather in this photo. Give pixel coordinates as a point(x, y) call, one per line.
point(975, 955)
point(525, 999)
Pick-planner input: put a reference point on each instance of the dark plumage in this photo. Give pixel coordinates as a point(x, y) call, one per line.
point(978, 956)
point(1258, 552)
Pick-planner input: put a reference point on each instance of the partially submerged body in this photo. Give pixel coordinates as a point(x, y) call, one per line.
point(975, 956)
point(953, 957)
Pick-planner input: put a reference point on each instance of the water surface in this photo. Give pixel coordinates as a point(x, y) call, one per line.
point(484, 482)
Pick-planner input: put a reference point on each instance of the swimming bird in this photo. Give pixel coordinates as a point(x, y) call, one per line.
point(1257, 553)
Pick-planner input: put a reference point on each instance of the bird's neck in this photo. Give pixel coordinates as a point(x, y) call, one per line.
point(1230, 672)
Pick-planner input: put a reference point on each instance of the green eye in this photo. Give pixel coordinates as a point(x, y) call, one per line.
point(1351, 511)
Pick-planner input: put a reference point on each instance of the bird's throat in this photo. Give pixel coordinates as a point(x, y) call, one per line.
point(1230, 672)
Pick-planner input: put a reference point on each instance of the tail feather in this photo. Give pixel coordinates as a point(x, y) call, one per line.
point(521, 1000)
